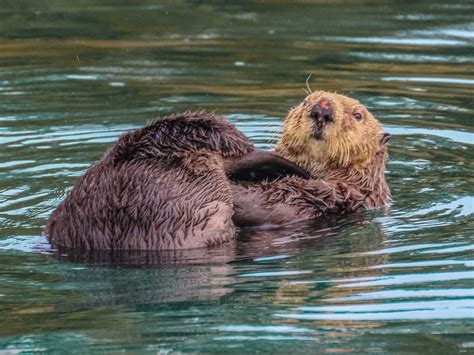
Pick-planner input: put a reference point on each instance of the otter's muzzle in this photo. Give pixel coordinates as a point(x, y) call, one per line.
point(322, 114)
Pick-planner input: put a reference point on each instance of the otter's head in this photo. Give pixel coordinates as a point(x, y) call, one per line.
point(332, 131)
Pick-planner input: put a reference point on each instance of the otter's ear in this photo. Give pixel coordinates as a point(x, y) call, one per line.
point(385, 139)
point(259, 165)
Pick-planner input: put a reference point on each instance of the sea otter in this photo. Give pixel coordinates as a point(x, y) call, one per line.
point(189, 180)
point(165, 186)
point(341, 144)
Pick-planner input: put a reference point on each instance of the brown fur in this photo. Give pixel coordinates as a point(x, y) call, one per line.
point(160, 187)
point(345, 157)
point(187, 180)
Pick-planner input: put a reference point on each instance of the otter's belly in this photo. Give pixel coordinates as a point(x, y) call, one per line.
point(252, 207)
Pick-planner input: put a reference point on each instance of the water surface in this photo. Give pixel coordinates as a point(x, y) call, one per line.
point(76, 74)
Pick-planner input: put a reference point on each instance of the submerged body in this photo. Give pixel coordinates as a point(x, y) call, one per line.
point(187, 181)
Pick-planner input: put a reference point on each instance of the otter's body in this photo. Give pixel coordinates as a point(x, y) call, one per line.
point(293, 199)
point(188, 180)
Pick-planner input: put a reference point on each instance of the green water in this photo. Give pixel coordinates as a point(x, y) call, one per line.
point(75, 74)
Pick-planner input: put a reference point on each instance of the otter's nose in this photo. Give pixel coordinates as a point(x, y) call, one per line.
point(322, 112)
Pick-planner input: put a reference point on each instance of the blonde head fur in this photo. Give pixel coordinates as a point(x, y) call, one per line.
point(328, 131)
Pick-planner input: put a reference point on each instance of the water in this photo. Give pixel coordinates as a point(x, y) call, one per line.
point(75, 74)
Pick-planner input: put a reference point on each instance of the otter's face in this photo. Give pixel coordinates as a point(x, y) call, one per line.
point(333, 130)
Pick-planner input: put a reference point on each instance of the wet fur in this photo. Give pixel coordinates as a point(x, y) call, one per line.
point(160, 187)
point(165, 186)
point(347, 167)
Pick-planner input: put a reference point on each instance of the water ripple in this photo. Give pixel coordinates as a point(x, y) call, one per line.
point(456, 136)
point(400, 41)
point(398, 294)
point(449, 309)
point(431, 80)
point(405, 279)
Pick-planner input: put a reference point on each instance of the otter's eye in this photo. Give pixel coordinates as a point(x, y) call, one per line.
point(358, 116)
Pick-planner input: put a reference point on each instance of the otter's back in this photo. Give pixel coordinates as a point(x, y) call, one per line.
point(160, 187)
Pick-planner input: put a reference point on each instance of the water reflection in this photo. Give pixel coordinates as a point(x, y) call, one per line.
point(262, 245)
